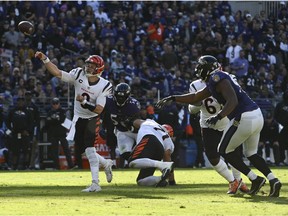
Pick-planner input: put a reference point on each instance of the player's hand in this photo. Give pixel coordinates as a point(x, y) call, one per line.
point(40, 55)
point(80, 98)
point(161, 103)
point(213, 120)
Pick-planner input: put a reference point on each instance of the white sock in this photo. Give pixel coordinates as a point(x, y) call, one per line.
point(94, 163)
point(236, 173)
point(144, 163)
point(114, 162)
point(149, 181)
point(251, 175)
point(270, 176)
point(223, 170)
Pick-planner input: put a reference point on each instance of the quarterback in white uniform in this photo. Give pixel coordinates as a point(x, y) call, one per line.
point(153, 144)
point(90, 97)
point(211, 135)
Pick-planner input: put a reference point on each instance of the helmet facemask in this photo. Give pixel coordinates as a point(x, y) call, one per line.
point(207, 65)
point(94, 66)
point(121, 93)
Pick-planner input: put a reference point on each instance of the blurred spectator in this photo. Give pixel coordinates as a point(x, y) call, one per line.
point(26, 52)
point(102, 15)
point(109, 34)
point(4, 152)
point(57, 133)
point(261, 57)
point(240, 65)
point(117, 67)
point(281, 116)
point(13, 37)
point(169, 58)
point(28, 11)
point(19, 121)
point(269, 137)
point(155, 31)
point(233, 51)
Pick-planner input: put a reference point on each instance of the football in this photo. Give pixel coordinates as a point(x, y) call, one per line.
point(26, 27)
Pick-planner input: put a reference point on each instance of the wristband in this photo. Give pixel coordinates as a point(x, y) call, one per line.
point(46, 60)
point(219, 116)
point(88, 105)
point(173, 98)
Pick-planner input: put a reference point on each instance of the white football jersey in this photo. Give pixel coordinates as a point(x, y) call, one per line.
point(96, 94)
point(155, 129)
point(208, 108)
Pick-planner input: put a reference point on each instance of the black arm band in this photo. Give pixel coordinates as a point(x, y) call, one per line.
point(89, 106)
point(219, 116)
point(173, 98)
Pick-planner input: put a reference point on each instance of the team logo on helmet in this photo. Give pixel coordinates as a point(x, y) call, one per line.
point(206, 65)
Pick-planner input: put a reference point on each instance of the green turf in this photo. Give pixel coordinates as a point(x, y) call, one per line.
point(199, 192)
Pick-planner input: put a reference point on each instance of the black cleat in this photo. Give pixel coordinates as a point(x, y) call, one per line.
point(256, 185)
point(165, 175)
point(275, 186)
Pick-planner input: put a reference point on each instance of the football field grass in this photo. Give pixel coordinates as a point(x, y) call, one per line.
point(198, 192)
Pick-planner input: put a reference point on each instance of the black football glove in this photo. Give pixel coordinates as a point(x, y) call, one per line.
point(161, 103)
point(213, 120)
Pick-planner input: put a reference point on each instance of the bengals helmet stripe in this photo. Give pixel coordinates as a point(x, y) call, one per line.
point(99, 65)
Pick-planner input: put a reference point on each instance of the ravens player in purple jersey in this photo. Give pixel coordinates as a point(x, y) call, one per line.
point(122, 107)
point(245, 121)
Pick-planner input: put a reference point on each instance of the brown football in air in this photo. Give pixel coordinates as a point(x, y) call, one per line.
point(26, 27)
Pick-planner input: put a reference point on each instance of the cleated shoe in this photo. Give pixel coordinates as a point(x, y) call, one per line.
point(256, 185)
point(162, 184)
point(243, 187)
point(165, 175)
point(108, 170)
point(94, 187)
point(234, 186)
point(275, 186)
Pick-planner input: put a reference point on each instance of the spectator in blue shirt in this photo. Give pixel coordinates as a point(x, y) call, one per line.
point(240, 65)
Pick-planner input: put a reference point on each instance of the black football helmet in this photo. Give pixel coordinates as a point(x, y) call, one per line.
point(121, 93)
point(206, 65)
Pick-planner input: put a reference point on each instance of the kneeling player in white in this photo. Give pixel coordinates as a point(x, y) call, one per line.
point(211, 135)
point(153, 144)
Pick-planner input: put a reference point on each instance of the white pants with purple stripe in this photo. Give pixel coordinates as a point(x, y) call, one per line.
point(246, 131)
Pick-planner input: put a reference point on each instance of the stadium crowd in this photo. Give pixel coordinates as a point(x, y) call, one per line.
point(152, 46)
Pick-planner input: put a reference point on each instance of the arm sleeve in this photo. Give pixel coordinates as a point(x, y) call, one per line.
point(71, 76)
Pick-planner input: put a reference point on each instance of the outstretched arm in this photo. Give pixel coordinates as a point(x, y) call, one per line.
point(190, 98)
point(52, 68)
